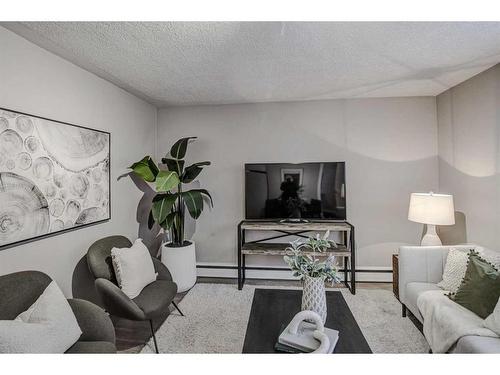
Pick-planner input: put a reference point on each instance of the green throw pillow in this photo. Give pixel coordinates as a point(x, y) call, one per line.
point(480, 288)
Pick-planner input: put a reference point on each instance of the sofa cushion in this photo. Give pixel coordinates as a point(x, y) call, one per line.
point(493, 320)
point(477, 344)
point(155, 298)
point(480, 289)
point(413, 290)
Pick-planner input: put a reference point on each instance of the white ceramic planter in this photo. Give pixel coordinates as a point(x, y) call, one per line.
point(181, 262)
point(314, 296)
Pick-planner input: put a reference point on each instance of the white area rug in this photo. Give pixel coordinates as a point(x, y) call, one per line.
point(216, 317)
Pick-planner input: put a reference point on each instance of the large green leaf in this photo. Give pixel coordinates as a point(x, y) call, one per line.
point(166, 180)
point(169, 220)
point(162, 205)
point(146, 169)
point(174, 165)
point(206, 194)
point(191, 172)
point(194, 202)
point(178, 150)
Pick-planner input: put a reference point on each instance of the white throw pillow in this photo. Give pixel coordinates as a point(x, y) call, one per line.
point(491, 256)
point(133, 267)
point(492, 321)
point(454, 269)
point(48, 326)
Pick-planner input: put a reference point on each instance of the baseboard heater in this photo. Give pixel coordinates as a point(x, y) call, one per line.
point(256, 268)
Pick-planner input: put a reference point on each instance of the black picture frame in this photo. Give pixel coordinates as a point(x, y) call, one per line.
point(76, 227)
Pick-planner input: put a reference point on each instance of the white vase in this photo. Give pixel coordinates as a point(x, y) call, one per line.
point(314, 296)
point(181, 262)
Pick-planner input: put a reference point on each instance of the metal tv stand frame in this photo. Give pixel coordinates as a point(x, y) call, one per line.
point(346, 249)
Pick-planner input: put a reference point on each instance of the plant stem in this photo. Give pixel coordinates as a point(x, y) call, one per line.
point(181, 215)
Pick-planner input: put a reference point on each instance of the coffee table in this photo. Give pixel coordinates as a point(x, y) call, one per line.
point(271, 308)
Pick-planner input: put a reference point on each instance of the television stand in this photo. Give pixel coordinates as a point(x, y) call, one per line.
point(345, 249)
point(293, 221)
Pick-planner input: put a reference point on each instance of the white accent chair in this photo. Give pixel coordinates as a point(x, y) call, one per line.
point(420, 269)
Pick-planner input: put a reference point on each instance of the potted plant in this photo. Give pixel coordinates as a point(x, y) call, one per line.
point(302, 257)
point(169, 206)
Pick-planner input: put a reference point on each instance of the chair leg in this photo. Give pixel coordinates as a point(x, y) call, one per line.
point(177, 307)
point(403, 311)
point(154, 337)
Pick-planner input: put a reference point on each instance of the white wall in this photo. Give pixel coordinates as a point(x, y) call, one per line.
point(35, 81)
point(469, 153)
point(389, 145)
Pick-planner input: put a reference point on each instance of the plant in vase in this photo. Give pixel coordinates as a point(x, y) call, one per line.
point(169, 205)
point(302, 257)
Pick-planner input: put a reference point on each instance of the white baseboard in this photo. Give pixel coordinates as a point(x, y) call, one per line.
point(365, 274)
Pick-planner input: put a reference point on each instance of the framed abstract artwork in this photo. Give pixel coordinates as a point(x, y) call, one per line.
point(54, 177)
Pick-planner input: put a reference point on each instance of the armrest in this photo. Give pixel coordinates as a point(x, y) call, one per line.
point(420, 264)
point(93, 321)
point(163, 272)
point(116, 302)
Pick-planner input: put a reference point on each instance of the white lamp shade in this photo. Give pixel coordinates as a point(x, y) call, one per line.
point(430, 208)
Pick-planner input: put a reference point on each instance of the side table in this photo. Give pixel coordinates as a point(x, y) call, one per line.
point(395, 281)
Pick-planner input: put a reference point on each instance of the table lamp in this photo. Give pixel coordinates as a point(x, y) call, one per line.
point(431, 209)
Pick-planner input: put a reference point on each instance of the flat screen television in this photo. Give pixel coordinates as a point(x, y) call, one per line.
point(295, 191)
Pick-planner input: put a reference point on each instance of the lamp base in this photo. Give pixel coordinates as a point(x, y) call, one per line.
point(431, 237)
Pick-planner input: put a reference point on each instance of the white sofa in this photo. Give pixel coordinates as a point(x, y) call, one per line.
point(420, 269)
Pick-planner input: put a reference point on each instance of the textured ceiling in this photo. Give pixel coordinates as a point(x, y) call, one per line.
point(239, 62)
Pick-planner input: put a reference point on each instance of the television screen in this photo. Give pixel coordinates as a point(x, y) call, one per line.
point(295, 191)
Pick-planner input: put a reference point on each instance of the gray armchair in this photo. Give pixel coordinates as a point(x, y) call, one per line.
point(153, 300)
point(18, 291)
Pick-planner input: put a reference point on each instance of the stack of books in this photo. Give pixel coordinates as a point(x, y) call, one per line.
point(303, 342)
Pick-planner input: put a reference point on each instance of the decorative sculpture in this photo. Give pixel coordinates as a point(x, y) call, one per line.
point(309, 337)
